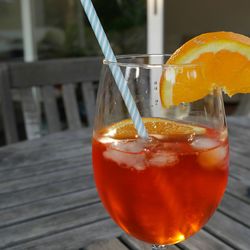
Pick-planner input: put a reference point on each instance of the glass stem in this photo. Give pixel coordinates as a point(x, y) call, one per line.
point(159, 247)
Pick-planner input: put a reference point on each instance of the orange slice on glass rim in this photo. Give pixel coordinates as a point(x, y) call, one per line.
point(225, 63)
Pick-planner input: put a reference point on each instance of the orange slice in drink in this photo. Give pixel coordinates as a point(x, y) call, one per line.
point(224, 59)
point(155, 126)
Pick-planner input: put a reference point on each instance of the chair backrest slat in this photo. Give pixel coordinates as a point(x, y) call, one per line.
point(9, 121)
point(88, 93)
point(31, 113)
point(71, 107)
point(62, 71)
point(51, 109)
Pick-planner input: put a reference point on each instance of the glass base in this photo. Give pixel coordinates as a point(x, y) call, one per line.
point(159, 247)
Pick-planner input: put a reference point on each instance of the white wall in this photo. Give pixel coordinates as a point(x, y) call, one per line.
point(192, 17)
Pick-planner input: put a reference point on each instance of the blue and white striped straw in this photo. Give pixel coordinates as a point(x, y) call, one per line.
point(115, 69)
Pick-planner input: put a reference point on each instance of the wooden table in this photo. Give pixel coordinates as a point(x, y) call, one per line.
point(48, 199)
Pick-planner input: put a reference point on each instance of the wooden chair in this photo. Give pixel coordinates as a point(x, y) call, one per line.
point(45, 75)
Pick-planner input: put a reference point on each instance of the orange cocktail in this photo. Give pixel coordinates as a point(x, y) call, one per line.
point(164, 189)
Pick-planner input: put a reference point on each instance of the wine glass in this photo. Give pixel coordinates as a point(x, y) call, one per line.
point(163, 189)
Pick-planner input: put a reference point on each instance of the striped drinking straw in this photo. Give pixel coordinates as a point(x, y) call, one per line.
point(115, 69)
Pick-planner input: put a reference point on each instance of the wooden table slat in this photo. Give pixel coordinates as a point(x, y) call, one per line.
point(230, 231)
point(47, 207)
point(240, 173)
point(49, 145)
point(235, 208)
point(47, 191)
point(196, 242)
point(41, 155)
point(112, 244)
point(139, 245)
point(238, 159)
point(238, 189)
point(41, 169)
point(33, 181)
point(73, 239)
point(51, 224)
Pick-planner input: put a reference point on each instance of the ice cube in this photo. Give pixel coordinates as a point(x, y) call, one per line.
point(162, 159)
point(204, 143)
point(136, 161)
point(213, 158)
point(129, 146)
